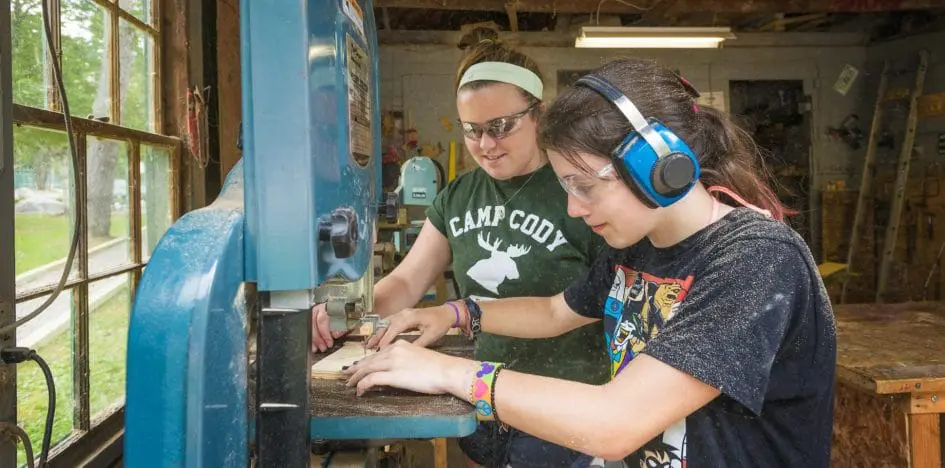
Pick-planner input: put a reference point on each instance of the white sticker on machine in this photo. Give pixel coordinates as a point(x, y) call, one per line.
point(354, 12)
point(359, 102)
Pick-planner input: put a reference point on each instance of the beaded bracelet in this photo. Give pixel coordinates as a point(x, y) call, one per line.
point(482, 389)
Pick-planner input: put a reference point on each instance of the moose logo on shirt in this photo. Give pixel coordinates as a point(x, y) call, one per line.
point(499, 266)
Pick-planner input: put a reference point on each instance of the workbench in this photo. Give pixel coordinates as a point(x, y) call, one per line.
point(890, 385)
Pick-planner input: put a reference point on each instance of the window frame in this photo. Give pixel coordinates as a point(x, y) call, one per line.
point(89, 431)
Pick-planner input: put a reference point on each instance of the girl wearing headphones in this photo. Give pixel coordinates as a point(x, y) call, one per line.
point(504, 227)
point(718, 326)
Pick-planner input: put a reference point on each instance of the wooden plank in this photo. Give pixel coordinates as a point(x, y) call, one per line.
point(925, 441)
point(331, 366)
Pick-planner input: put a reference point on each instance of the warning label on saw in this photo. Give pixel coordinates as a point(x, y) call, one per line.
point(359, 102)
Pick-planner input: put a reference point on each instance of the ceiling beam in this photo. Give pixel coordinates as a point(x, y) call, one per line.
point(553, 39)
point(513, 17)
point(642, 6)
point(658, 14)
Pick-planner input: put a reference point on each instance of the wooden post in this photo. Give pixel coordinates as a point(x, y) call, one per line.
point(440, 453)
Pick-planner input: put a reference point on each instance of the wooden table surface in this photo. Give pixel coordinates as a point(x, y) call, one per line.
point(891, 348)
point(897, 352)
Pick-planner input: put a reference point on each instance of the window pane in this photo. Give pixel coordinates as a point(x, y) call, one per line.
point(108, 205)
point(155, 196)
point(136, 77)
point(29, 54)
point(50, 334)
point(44, 210)
point(141, 9)
point(85, 59)
point(109, 310)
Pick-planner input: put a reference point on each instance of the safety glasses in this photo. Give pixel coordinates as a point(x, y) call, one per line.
point(497, 128)
point(583, 186)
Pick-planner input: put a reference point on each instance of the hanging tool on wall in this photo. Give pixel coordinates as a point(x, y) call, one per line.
point(848, 132)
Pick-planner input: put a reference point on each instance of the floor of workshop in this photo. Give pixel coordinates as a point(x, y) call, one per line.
point(422, 454)
point(418, 454)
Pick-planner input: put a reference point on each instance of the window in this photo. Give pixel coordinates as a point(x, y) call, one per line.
point(123, 198)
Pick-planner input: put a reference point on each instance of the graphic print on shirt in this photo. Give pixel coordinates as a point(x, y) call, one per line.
point(499, 258)
point(500, 266)
point(637, 307)
point(668, 451)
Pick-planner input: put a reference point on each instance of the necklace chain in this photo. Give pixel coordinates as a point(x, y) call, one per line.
point(495, 191)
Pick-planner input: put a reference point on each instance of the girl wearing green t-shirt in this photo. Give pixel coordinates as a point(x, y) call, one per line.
point(504, 229)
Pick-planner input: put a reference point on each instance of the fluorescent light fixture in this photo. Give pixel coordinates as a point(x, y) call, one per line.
point(652, 38)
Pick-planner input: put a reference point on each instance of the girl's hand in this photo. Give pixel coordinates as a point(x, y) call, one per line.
point(322, 336)
point(411, 367)
point(433, 323)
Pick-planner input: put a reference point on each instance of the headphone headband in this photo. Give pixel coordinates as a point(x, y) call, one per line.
point(659, 167)
point(629, 110)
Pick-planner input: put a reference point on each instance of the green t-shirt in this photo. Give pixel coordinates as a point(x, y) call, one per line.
point(514, 238)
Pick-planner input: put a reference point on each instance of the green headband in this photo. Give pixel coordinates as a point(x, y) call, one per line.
point(506, 73)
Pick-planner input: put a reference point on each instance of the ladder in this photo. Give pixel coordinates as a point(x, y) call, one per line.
point(902, 175)
point(866, 179)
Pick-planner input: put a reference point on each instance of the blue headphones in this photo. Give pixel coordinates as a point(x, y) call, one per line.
point(656, 164)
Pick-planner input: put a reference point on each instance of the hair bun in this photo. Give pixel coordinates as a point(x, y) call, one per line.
point(479, 37)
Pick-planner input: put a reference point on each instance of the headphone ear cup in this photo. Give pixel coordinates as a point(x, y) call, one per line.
point(673, 174)
point(623, 169)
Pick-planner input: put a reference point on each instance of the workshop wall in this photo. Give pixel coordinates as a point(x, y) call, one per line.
point(418, 80)
point(915, 273)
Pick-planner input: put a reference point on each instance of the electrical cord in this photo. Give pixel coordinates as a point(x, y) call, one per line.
point(75, 168)
point(19, 433)
point(17, 356)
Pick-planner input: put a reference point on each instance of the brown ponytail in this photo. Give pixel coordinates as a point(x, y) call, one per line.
point(582, 121)
point(730, 158)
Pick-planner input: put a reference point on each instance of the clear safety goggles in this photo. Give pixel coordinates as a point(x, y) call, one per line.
point(583, 186)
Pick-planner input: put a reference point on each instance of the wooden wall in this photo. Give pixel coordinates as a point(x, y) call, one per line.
point(229, 96)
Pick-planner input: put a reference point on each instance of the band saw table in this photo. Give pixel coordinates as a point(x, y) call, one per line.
point(385, 413)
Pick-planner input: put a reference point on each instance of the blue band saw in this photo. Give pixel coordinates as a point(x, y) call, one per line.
point(294, 226)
